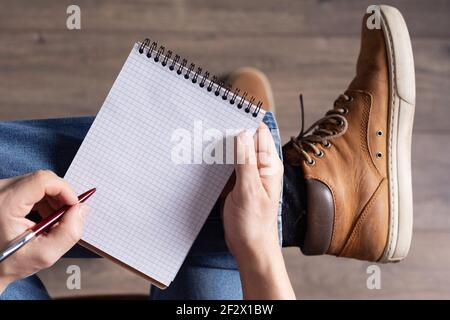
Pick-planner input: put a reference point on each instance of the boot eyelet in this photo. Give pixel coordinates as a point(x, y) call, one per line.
point(313, 162)
point(327, 145)
point(379, 155)
point(320, 154)
point(349, 98)
point(341, 123)
point(379, 133)
point(345, 110)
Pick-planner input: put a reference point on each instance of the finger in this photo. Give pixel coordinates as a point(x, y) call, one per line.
point(269, 164)
point(49, 247)
point(266, 152)
point(50, 202)
point(267, 156)
point(31, 188)
point(246, 167)
point(7, 182)
point(54, 203)
point(264, 140)
point(43, 208)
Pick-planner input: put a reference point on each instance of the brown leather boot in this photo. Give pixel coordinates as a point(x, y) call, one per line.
point(357, 159)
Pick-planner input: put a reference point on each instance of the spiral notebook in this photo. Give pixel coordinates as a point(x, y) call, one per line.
point(153, 153)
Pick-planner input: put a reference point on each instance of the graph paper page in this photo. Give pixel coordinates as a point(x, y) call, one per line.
point(148, 208)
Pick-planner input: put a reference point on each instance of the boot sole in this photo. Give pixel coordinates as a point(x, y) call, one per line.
point(400, 124)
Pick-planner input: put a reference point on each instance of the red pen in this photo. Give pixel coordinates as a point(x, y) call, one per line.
point(40, 227)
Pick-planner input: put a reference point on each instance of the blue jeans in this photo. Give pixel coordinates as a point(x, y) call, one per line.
point(209, 271)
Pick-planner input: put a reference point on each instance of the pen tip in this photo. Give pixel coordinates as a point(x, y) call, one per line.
point(90, 191)
point(86, 195)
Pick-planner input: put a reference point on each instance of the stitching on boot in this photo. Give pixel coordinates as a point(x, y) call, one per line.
point(362, 217)
point(368, 104)
point(363, 131)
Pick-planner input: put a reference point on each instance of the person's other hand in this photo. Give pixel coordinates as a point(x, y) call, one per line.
point(250, 218)
point(44, 192)
point(250, 209)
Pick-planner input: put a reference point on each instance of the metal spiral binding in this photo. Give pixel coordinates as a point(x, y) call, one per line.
point(215, 86)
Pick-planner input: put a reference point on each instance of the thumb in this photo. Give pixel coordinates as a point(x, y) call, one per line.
point(246, 167)
point(49, 247)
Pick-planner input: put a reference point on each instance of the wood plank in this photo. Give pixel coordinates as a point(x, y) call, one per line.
point(308, 46)
point(424, 274)
point(98, 277)
point(48, 76)
point(431, 168)
point(426, 18)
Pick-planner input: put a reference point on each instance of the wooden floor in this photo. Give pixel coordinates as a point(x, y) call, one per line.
point(303, 46)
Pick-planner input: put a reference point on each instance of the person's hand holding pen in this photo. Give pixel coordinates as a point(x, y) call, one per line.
point(44, 192)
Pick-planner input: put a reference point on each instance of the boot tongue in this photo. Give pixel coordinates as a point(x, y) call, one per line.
point(291, 155)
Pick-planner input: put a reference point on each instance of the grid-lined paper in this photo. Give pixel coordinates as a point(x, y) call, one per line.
point(148, 209)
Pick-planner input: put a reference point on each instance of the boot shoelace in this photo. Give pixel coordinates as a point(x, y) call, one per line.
point(331, 126)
